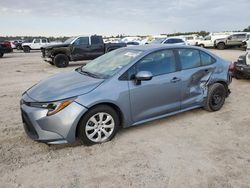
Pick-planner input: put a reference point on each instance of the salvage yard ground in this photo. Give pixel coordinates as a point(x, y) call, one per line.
point(195, 149)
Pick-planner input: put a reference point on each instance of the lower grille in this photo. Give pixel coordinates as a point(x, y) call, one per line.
point(30, 130)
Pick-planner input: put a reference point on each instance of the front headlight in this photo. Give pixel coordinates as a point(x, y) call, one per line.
point(53, 107)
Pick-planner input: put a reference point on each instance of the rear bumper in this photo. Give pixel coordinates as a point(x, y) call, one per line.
point(56, 129)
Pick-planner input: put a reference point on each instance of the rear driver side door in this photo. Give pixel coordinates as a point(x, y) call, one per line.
point(197, 68)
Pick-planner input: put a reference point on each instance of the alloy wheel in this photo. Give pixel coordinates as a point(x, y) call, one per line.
point(100, 127)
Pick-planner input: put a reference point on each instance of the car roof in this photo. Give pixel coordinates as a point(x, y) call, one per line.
point(154, 47)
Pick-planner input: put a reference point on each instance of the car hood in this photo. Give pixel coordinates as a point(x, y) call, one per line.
point(62, 86)
point(55, 45)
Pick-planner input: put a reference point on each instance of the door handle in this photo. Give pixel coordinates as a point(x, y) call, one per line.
point(175, 79)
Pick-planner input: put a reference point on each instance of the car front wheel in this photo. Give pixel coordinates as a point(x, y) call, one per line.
point(61, 60)
point(216, 97)
point(26, 49)
point(98, 125)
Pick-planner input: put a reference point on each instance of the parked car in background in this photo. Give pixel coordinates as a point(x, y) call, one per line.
point(234, 40)
point(36, 44)
point(5, 47)
point(112, 40)
point(132, 43)
point(170, 41)
point(126, 87)
point(193, 39)
point(208, 41)
point(246, 42)
point(18, 44)
point(76, 49)
point(242, 67)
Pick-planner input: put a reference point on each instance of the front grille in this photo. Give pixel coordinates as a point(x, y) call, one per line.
point(30, 130)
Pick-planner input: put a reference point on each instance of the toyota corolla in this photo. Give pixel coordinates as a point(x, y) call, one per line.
point(123, 88)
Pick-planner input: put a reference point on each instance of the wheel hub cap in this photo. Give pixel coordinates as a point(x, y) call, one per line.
point(100, 127)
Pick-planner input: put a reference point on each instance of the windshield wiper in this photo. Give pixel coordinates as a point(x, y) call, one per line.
point(80, 70)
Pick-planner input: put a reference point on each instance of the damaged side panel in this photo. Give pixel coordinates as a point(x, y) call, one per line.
point(195, 85)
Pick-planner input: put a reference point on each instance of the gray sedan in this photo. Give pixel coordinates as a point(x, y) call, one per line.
point(123, 88)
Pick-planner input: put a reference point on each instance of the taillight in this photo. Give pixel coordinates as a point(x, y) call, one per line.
point(7, 44)
point(231, 67)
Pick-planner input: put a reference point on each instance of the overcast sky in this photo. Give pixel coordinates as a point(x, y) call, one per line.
point(110, 17)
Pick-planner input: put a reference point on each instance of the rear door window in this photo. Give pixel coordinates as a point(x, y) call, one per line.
point(206, 59)
point(96, 40)
point(189, 58)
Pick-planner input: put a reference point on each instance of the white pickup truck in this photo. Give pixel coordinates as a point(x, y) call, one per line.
point(36, 44)
point(208, 41)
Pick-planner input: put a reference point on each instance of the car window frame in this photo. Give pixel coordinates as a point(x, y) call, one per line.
point(201, 65)
point(214, 60)
point(180, 58)
point(127, 75)
point(80, 39)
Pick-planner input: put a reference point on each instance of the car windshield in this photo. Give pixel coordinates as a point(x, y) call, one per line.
point(109, 64)
point(68, 41)
point(158, 40)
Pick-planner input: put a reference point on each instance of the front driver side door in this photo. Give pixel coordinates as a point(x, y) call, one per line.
point(161, 94)
point(81, 49)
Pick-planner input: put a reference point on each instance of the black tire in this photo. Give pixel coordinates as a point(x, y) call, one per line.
point(19, 47)
point(237, 75)
point(51, 62)
point(202, 45)
point(81, 129)
point(216, 97)
point(221, 46)
point(1, 55)
point(26, 49)
point(61, 61)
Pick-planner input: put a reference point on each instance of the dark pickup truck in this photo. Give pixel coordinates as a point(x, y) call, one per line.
point(5, 47)
point(76, 49)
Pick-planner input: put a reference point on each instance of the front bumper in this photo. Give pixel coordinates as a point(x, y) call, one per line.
point(56, 129)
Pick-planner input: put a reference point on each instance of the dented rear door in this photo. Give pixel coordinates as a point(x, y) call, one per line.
point(194, 77)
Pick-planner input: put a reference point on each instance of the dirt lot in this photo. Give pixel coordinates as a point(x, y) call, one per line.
point(193, 149)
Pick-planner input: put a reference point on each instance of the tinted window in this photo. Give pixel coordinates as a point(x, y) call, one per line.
point(206, 59)
point(82, 41)
point(190, 58)
point(96, 40)
point(37, 41)
point(173, 41)
point(161, 62)
point(44, 40)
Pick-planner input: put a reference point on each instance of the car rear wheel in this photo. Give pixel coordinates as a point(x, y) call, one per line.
point(61, 60)
point(221, 46)
point(1, 55)
point(98, 125)
point(202, 45)
point(216, 97)
point(26, 49)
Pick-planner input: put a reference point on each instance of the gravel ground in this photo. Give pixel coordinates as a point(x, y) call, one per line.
point(195, 149)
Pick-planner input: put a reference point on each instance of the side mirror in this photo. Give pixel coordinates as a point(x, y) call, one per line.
point(143, 76)
point(229, 38)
